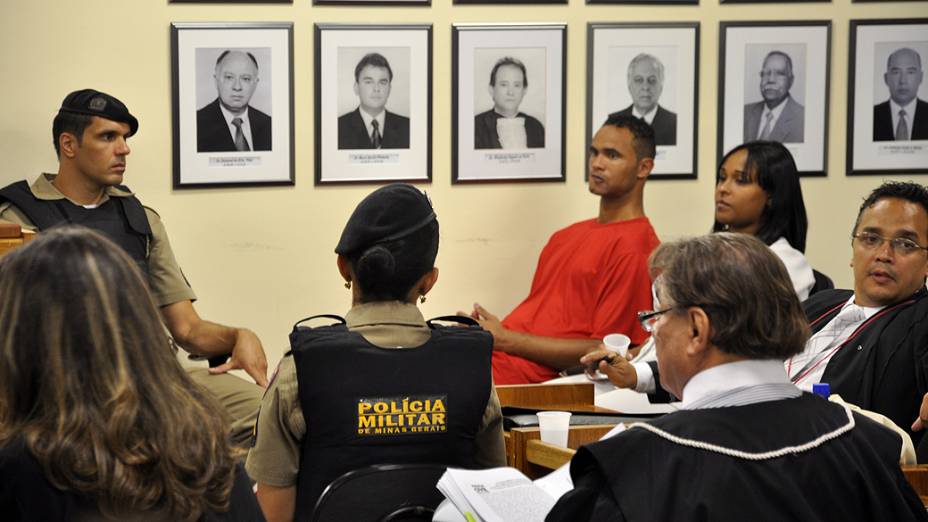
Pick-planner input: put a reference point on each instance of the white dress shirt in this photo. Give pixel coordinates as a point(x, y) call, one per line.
point(368, 119)
point(246, 124)
point(776, 111)
point(909, 109)
point(649, 117)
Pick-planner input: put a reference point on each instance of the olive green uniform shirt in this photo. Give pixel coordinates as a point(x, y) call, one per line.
point(165, 279)
point(275, 457)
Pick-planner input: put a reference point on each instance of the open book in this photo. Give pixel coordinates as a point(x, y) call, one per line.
point(502, 494)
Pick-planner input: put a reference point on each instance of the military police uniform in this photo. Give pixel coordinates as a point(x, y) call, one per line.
point(167, 285)
point(282, 429)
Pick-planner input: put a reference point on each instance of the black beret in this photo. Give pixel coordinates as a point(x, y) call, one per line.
point(387, 214)
point(95, 103)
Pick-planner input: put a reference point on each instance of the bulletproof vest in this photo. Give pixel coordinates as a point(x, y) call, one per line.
point(120, 219)
point(367, 405)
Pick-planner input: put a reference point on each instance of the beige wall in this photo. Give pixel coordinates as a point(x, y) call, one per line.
point(262, 257)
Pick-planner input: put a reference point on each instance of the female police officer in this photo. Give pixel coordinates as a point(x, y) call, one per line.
point(383, 385)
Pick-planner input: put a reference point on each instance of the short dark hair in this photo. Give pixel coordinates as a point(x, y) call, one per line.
point(642, 133)
point(374, 60)
point(741, 285)
point(387, 271)
point(775, 171)
point(227, 51)
point(907, 190)
point(509, 60)
point(789, 61)
point(69, 122)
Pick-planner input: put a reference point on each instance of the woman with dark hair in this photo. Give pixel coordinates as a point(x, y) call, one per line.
point(382, 385)
point(98, 421)
point(757, 192)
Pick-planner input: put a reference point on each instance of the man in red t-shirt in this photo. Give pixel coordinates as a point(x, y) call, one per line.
point(592, 277)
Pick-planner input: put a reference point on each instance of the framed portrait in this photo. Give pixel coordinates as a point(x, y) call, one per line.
point(887, 123)
point(508, 102)
point(230, 1)
point(508, 2)
point(650, 71)
point(233, 104)
point(770, 1)
point(373, 103)
point(647, 2)
point(373, 2)
point(773, 85)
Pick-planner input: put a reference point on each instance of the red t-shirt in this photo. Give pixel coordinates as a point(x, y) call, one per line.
point(592, 280)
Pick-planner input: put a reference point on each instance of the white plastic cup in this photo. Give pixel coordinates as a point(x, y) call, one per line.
point(617, 343)
point(554, 426)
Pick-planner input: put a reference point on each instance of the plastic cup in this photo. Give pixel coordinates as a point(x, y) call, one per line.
point(554, 426)
point(617, 343)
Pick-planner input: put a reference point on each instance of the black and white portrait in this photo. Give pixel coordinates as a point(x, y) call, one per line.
point(229, 92)
point(649, 71)
point(774, 87)
point(374, 85)
point(645, 85)
point(774, 93)
point(373, 103)
point(507, 102)
point(501, 122)
point(888, 97)
point(900, 114)
point(233, 104)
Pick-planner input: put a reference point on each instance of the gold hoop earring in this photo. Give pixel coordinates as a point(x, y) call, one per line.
point(348, 285)
point(422, 298)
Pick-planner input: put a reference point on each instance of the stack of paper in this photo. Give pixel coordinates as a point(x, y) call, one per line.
point(495, 495)
point(502, 494)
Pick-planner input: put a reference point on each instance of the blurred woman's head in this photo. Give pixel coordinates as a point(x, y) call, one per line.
point(92, 387)
point(757, 192)
point(389, 245)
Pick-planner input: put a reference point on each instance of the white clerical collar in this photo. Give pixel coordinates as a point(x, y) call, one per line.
point(721, 379)
point(649, 117)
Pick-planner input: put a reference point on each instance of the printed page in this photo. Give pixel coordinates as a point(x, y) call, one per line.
point(502, 495)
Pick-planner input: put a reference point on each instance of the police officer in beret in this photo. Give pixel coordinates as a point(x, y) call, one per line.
point(90, 135)
point(382, 385)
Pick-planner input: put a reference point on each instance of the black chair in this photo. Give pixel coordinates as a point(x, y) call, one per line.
point(382, 493)
point(822, 282)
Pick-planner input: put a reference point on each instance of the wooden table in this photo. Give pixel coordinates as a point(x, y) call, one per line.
point(13, 236)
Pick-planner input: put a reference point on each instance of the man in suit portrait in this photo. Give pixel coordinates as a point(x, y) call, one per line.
point(778, 117)
point(903, 117)
point(228, 123)
point(504, 126)
point(371, 125)
point(645, 84)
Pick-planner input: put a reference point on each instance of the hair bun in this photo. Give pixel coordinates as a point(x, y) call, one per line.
point(376, 263)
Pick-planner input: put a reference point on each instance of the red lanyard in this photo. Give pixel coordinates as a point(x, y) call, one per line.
point(829, 355)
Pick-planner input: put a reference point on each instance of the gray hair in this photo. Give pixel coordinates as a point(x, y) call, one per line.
point(646, 57)
point(741, 285)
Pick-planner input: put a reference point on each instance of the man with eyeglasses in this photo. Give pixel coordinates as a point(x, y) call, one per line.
point(745, 444)
point(870, 344)
point(778, 117)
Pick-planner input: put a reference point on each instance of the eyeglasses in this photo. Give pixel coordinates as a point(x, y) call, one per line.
point(900, 245)
point(648, 318)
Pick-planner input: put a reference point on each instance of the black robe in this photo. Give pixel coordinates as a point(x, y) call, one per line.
point(639, 475)
point(884, 368)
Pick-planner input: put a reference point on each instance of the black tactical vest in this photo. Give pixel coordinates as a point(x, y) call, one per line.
point(120, 219)
point(367, 405)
